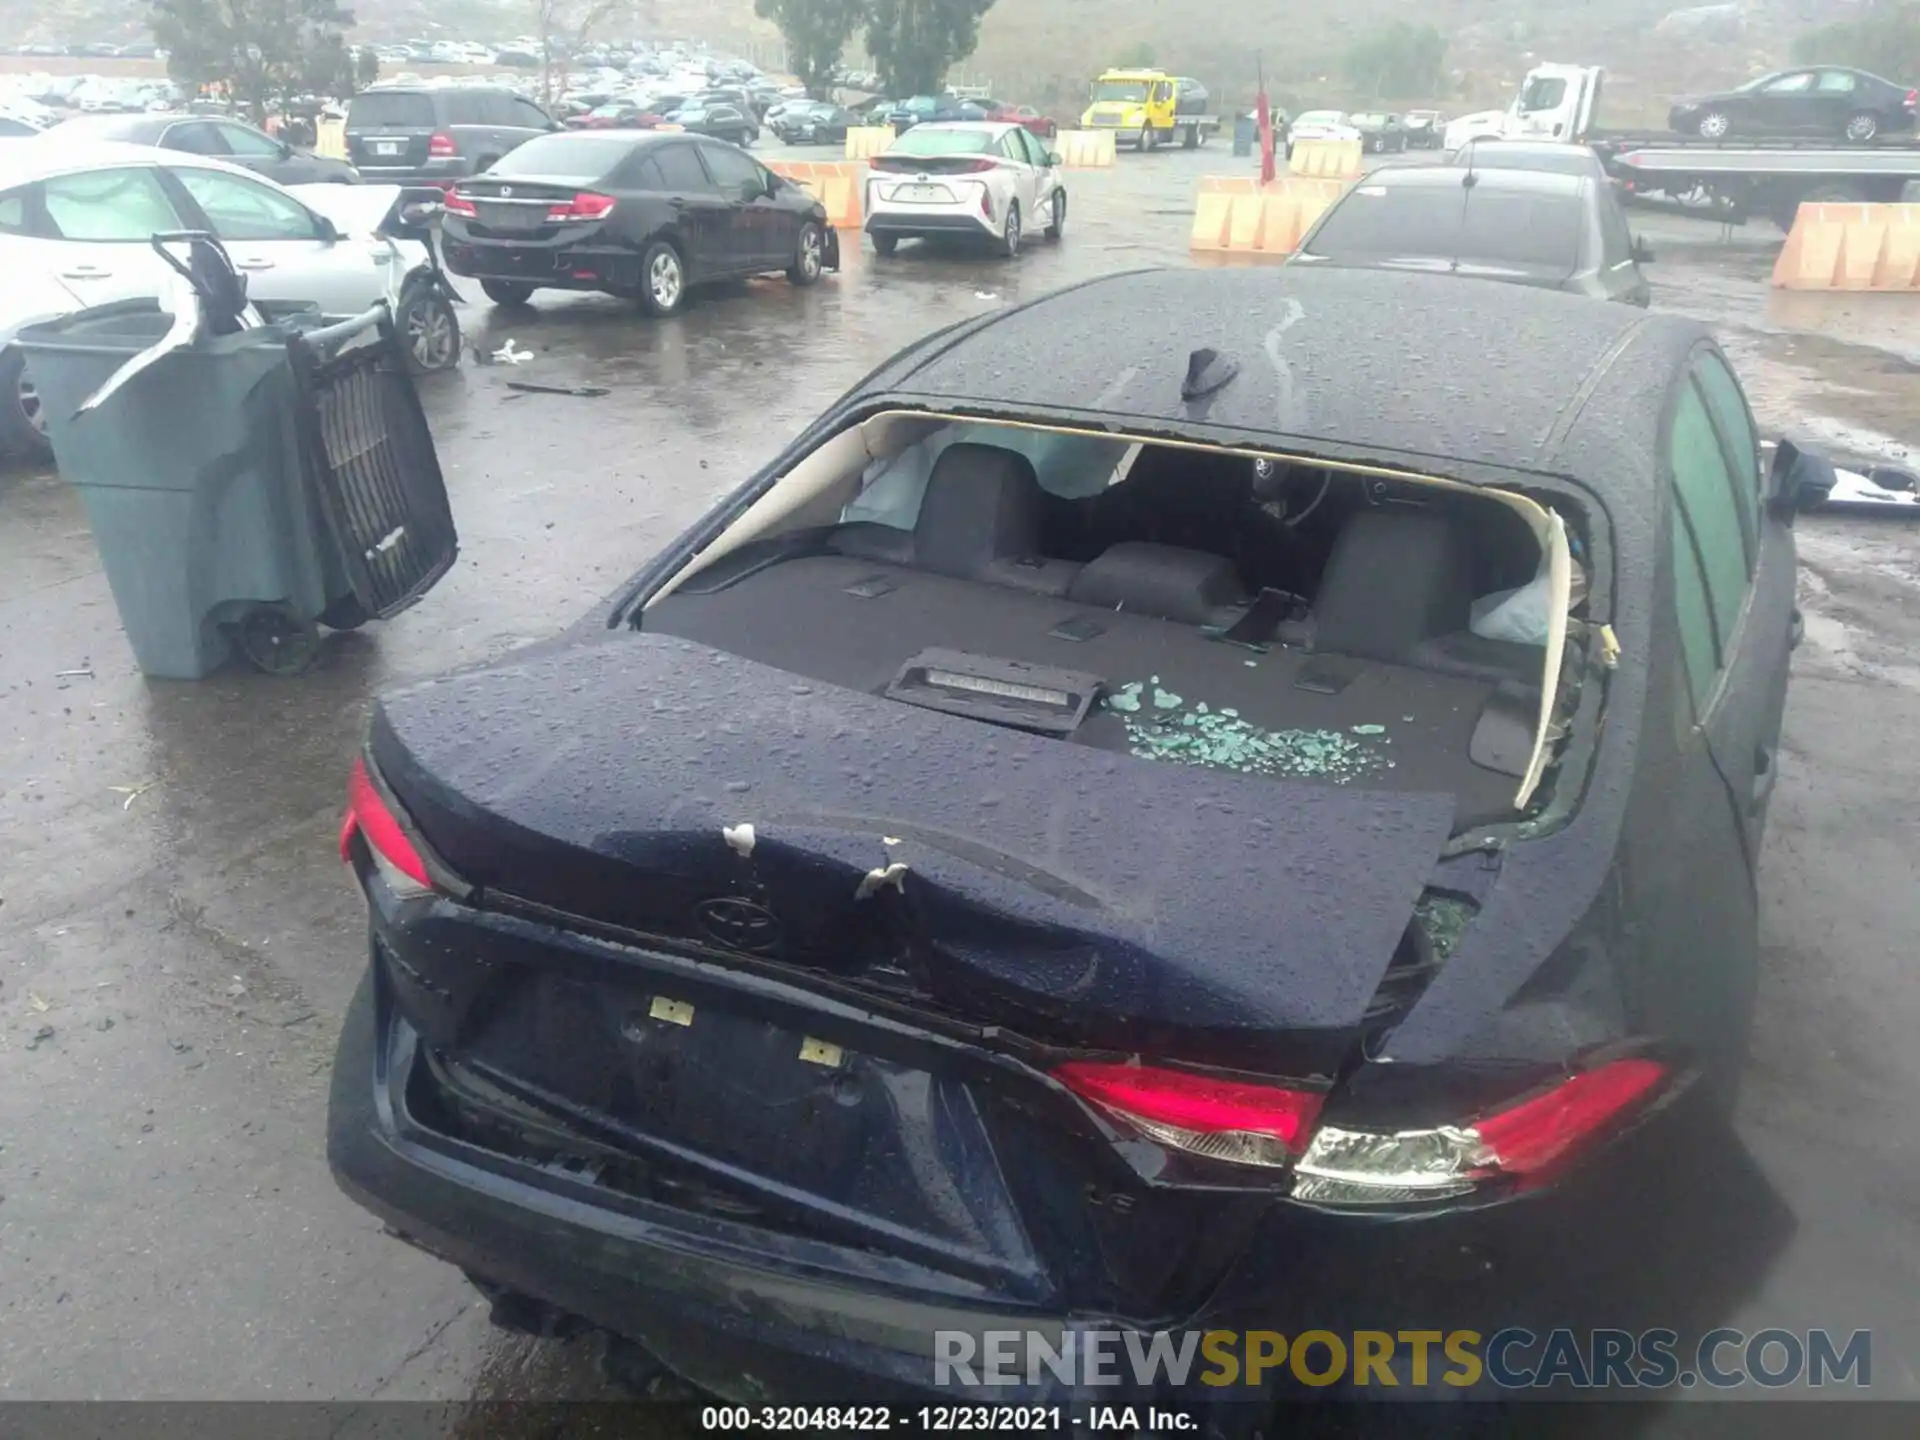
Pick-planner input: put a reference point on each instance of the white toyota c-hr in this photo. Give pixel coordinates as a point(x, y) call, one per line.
point(966, 177)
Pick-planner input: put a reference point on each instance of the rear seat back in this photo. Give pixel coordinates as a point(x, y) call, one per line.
point(980, 519)
point(1396, 580)
point(1189, 587)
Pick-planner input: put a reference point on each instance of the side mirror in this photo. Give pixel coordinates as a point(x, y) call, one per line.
point(1053, 158)
point(1642, 252)
point(1798, 481)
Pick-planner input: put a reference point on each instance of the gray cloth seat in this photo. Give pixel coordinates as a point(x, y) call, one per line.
point(1163, 582)
point(1399, 588)
point(980, 519)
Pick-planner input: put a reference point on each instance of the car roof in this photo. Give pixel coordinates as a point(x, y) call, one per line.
point(42, 158)
point(1438, 177)
point(122, 125)
point(1341, 361)
point(985, 127)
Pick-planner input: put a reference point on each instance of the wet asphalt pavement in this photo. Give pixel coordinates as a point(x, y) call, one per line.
point(177, 939)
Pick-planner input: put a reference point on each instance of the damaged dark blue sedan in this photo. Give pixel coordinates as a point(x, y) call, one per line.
point(1094, 824)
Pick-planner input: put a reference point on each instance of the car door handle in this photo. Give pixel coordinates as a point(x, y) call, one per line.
point(253, 264)
point(1765, 775)
point(85, 272)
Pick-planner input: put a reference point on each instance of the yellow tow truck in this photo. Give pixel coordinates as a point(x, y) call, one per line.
point(1150, 108)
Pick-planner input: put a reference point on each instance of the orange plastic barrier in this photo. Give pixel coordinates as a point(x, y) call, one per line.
point(1085, 149)
point(866, 141)
point(1245, 219)
point(1873, 248)
point(1327, 159)
point(836, 184)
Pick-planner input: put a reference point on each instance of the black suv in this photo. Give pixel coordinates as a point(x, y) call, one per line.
point(425, 134)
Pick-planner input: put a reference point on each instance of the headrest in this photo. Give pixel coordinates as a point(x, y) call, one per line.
point(1396, 578)
point(1162, 581)
point(982, 504)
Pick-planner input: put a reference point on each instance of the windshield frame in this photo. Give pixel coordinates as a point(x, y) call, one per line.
point(1125, 92)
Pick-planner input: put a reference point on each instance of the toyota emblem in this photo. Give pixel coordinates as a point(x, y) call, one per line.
point(739, 924)
point(506, 192)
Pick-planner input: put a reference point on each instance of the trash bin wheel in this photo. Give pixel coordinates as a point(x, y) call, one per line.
point(276, 640)
point(346, 613)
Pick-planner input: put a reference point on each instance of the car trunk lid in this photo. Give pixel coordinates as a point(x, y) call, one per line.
point(669, 790)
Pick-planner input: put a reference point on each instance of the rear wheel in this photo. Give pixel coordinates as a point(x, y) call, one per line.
point(809, 257)
point(1010, 236)
point(885, 244)
point(1191, 139)
point(663, 279)
point(1863, 127)
point(23, 420)
point(507, 292)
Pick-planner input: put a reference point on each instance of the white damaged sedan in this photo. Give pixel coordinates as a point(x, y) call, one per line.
point(76, 230)
point(984, 179)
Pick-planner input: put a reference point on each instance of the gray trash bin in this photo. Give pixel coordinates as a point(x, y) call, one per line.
point(1246, 135)
point(192, 480)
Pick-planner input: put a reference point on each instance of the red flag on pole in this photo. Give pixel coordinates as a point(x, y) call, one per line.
point(1264, 111)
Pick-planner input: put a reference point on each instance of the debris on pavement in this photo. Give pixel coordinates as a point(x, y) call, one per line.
point(85, 672)
point(132, 792)
point(1884, 488)
point(40, 1006)
point(505, 355)
point(40, 1037)
point(582, 392)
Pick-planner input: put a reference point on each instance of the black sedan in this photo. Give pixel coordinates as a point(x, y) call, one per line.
point(633, 213)
point(815, 123)
point(716, 118)
point(1824, 100)
point(1524, 225)
point(220, 139)
point(1049, 846)
point(1379, 132)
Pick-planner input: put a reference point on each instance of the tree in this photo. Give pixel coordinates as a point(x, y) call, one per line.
point(263, 51)
point(366, 67)
point(1401, 60)
point(1885, 40)
point(816, 31)
point(564, 28)
point(914, 42)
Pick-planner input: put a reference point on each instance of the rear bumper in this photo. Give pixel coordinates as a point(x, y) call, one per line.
point(550, 267)
point(438, 171)
point(696, 1300)
point(927, 220)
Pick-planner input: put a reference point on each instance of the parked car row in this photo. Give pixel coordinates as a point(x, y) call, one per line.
point(77, 223)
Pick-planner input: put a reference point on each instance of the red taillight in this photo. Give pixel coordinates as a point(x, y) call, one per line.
point(441, 144)
point(369, 816)
point(1523, 1143)
point(1206, 1115)
point(458, 204)
point(1913, 99)
point(1527, 1138)
point(584, 206)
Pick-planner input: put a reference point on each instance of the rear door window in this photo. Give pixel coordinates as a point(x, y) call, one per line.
point(1709, 543)
point(1738, 438)
point(526, 115)
point(197, 137)
point(110, 205)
